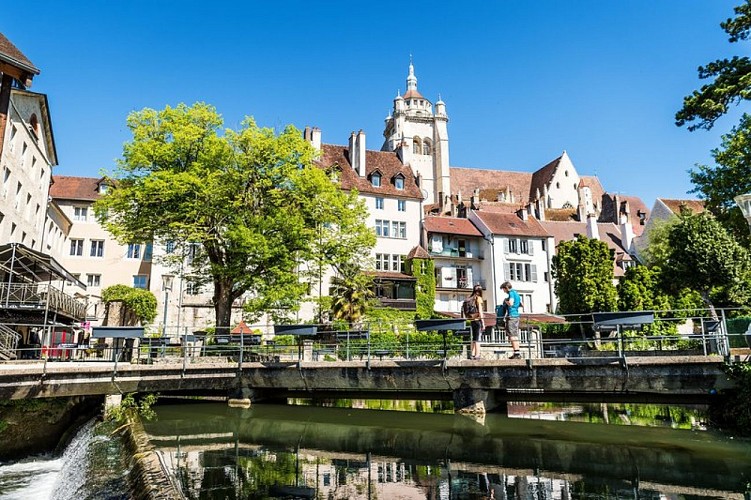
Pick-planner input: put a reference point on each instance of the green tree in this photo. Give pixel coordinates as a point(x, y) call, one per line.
point(247, 204)
point(705, 258)
point(639, 290)
point(730, 84)
point(350, 291)
point(583, 270)
point(139, 305)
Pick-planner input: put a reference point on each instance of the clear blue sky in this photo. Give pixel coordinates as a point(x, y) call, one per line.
point(522, 81)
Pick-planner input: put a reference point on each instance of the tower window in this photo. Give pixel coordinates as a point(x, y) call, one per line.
point(426, 147)
point(416, 145)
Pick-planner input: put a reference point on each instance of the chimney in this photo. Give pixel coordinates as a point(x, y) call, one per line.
point(540, 209)
point(592, 231)
point(353, 151)
point(627, 235)
point(315, 138)
point(360, 146)
point(617, 209)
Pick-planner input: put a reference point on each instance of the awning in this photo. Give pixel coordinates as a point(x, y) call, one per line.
point(117, 332)
point(31, 265)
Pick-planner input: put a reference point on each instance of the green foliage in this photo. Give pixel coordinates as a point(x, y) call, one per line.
point(639, 290)
point(733, 411)
point(705, 258)
point(583, 270)
point(350, 291)
point(250, 202)
point(141, 406)
point(424, 271)
point(655, 253)
point(139, 302)
point(729, 85)
point(730, 79)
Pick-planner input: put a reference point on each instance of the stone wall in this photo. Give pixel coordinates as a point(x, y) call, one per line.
point(149, 480)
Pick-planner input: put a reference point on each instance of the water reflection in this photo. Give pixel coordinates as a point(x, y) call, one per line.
point(308, 452)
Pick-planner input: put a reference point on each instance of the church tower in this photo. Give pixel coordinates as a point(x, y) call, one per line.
point(420, 138)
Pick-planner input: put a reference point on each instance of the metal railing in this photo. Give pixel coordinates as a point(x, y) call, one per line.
point(700, 335)
point(38, 296)
point(9, 339)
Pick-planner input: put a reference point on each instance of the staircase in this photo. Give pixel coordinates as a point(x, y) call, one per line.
point(8, 342)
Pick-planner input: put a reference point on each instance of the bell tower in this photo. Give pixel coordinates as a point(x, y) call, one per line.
point(419, 135)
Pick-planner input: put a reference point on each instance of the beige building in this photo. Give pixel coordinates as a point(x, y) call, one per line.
point(89, 251)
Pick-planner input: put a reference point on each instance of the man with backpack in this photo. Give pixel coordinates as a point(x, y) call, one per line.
point(472, 310)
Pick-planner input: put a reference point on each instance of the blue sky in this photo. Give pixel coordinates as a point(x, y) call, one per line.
point(522, 81)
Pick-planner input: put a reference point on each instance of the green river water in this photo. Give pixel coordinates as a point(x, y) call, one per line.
point(540, 451)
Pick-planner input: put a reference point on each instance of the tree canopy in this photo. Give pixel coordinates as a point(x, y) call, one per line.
point(583, 270)
point(248, 206)
point(729, 84)
point(705, 258)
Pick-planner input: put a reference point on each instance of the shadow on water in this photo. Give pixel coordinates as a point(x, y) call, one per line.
point(614, 456)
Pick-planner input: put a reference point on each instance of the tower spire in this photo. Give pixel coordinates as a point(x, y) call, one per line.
point(411, 79)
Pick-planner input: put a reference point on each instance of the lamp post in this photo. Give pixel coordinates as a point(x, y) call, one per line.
point(744, 203)
point(167, 281)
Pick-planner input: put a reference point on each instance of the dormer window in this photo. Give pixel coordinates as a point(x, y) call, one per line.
point(103, 188)
point(375, 179)
point(399, 182)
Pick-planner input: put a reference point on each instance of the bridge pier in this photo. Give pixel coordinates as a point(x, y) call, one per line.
point(111, 401)
point(468, 401)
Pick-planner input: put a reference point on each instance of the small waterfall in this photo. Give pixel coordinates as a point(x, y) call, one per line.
point(74, 466)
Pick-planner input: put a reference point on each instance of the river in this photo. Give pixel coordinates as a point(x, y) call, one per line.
point(540, 451)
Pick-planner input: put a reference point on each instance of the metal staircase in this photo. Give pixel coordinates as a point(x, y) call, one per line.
point(9, 339)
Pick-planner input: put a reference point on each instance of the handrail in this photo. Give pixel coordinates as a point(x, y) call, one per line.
point(37, 296)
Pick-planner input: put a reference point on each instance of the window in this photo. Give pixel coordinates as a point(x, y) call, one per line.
point(80, 213)
point(93, 280)
point(382, 262)
point(519, 271)
point(399, 182)
point(24, 149)
point(134, 251)
point(103, 188)
point(518, 245)
point(76, 247)
point(12, 228)
point(170, 247)
point(140, 281)
point(527, 301)
point(403, 230)
point(97, 248)
point(382, 228)
point(523, 246)
point(512, 246)
point(416, 145)
point(148, 252)
point(12, 136)
point(558, 185)
point(193, 251)
point(375, 180)
point(426, 147)
point(192, 287)
point(401, 205)
point(379, 203)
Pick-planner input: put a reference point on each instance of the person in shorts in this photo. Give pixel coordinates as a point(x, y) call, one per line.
point(511, 304)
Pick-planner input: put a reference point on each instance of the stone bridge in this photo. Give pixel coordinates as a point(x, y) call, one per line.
point(474, 386)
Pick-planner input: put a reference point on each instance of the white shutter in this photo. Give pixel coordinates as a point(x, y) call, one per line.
point(436, 243)
point(505, 245)
point(534, 273)
point(506, 272)
point(531, 247)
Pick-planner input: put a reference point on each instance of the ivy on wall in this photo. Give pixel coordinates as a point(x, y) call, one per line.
point(424, 271)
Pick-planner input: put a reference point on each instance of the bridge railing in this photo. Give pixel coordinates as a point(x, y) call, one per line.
point(671, 333)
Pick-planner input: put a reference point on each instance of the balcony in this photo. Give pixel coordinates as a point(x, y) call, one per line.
point(39, 297)
point(456, 254)
point(462, 284)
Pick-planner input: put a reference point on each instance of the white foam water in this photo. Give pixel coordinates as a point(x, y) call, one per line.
point(46, 477)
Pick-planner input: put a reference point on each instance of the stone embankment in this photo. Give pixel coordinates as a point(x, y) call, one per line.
point(149, 479)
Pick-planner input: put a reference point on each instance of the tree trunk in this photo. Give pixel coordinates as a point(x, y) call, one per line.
point(223, 305)
point(705, 297)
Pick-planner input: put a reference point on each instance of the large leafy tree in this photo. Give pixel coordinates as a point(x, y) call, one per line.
point(639, 290)
point(729, 84)
point(704, 257)
point(583, 270)
point(248, 203)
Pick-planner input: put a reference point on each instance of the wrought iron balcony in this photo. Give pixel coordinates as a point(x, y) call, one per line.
point(39, 297)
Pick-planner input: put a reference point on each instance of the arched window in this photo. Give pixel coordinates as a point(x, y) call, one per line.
point(416, 145)
point(34, 125)
point(427, 148)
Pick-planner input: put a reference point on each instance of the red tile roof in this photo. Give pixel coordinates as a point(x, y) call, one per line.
point(451, 225)
point(542, 178)
point(593, 183)
point(418, 253)
point(387, 163)
point(242, 328)
point(490, 183)
point(10, 54)
point(511, 224)
point(413, 94)
point(75, 188)
point(696, 206)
